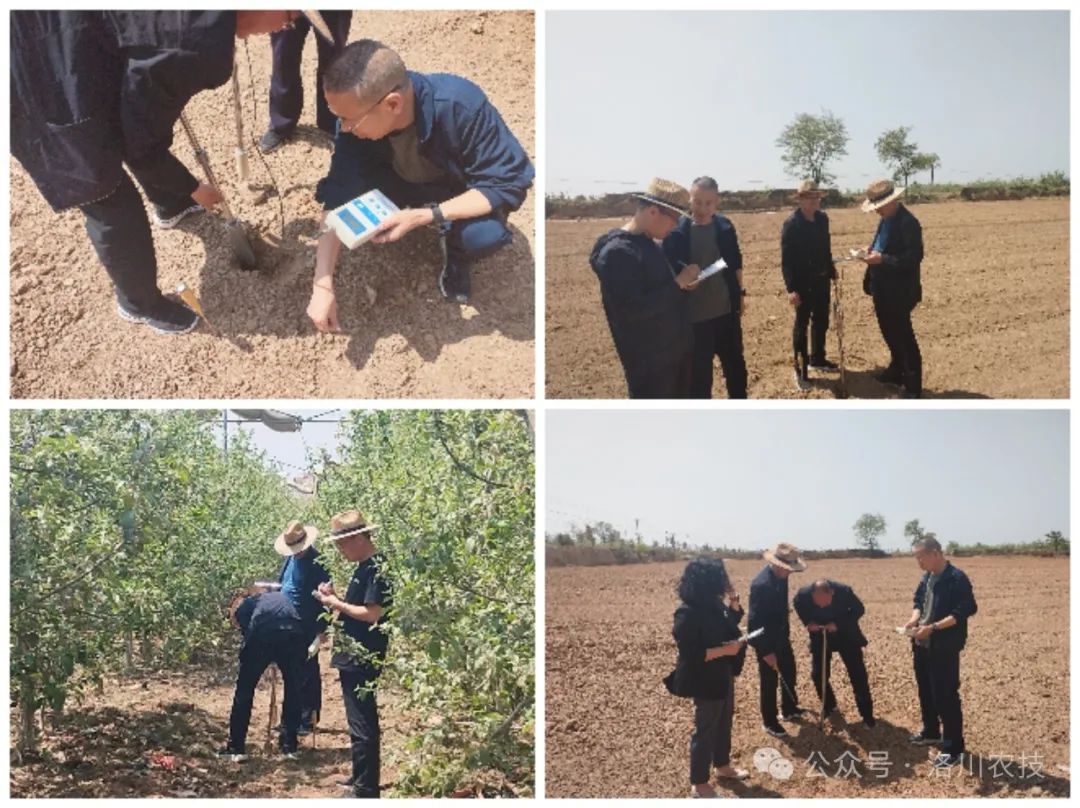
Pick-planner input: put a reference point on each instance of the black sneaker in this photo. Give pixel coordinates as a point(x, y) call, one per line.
point(454, 282)
point(890, 376)
point(795, 715)
point(907, 392)
point(272, 140)
point(229, 753)
point(775, 730)
point(823, 364)
point(290, 752)
point(346, 782)
point(919, 739)
point(167, 219)
point(166, 316)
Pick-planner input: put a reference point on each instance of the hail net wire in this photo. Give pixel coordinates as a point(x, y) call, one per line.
point(255, 142)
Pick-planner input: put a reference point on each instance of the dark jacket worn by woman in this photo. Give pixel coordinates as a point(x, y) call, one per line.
point(696, 629)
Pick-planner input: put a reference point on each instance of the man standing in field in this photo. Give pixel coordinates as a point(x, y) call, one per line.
point(644, 299)
point(716, 303)
point(831, 611)
point(893, 279)
point(776, 661)
point(436, 146)
point(944, 601)
point(300, 576)
point(362, 649)
point(807, 266)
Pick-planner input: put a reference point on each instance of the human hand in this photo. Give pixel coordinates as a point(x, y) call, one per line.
point(813, 628)
point(687, 277)
point(322, 308)
point(401, 223)
point(794, 299)
point(770, 660)
point(873, 259)
point(207, 195)
point(831, 628)
point(923, 632)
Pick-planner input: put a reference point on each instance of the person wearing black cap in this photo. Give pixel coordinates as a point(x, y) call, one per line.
point(831, 611)
point(95, 92)
point(359, 656)
point(645, 299)
point(300, 576)
point(273, 635)
point(894, 280)
point(286, 84)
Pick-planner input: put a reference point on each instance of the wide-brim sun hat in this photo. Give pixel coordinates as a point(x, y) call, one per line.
point(785, 555)
point(296, 538)
point(880, 193)
point(666, 194)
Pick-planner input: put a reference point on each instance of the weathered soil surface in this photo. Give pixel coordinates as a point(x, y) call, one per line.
point(613, 730)
point(994, 321)
point(400, 339)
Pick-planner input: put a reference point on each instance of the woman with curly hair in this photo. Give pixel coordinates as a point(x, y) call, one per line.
point(711, 653)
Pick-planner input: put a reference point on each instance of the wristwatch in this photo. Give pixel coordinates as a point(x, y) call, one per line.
point(436, 213)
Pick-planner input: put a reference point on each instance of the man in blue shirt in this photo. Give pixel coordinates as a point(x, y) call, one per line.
point(893, 279)
point(300, 576)
point(432, 143)
point(359, 655)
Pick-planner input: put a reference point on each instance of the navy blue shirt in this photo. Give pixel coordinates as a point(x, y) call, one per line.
point(458, 131)
point(259, 615)
point(367, 587)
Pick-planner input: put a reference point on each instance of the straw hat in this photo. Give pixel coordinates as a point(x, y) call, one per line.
point(880, 193)
point(810, 188)
point(785, 555)
point(666, 194)
point(296, 538)
point(348, 523)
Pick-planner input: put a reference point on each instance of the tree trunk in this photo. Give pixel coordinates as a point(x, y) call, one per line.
point(129, 652)
point(931, 175)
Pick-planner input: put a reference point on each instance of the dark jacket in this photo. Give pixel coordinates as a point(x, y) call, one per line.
point(952, 595)
point(646, 310)
point(267, 617)
point(769, 610)
point(677, 250)
point(805, 251)
point(314, 574)
point(845, 610)
point(91, 90)
point(457, 129)
point(898, 278)
point(696, 629)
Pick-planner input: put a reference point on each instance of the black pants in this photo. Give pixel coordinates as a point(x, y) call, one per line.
point(785, 660)
point(720, 337)
point(852, 657)
point(286, 650)
point(310, 687)
point(362, 714)
point(812, 311)
point(286, 86)
point(120, 232)
point(894, 319)
point(671, 380)
point(710, 743)
point(937, 674)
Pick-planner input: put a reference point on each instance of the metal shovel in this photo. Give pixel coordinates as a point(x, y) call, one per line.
point(238, 240)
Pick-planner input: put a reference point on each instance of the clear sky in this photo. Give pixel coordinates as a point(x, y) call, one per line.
point(746, 479)
point(632, 95)
point(287, 451)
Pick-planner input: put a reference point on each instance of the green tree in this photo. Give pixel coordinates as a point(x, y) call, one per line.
point(926, 162)
point(914, 532)
point(1057, 542)
point(869, 528)
point(810, 143)
point(902, 155)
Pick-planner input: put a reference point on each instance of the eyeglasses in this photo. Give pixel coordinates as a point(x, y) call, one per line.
point(371, 109)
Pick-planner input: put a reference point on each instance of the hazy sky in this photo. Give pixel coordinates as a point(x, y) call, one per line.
point(748, 479)
point(631, 95)
point(286, 451)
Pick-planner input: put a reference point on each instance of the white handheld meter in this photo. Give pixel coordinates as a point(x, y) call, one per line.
point(356, 220)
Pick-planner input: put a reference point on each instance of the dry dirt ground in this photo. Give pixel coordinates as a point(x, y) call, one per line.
point(614, 731)
point(400, 338)
point(994, 321)
point(156, 735)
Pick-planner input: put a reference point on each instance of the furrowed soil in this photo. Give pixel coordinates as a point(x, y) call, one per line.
point(400, 339)
point(613, 730)
point(994, 321)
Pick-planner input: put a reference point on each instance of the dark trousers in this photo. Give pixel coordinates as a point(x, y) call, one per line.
point(812, 311)
point(785, 660)
point(852, 657)
point(710, 743)
point(120, 232)
point(720, 337)
point(937, 674)
point(894, 319)
point(671, 380)
point(287, 651)
point(310, 689)
point(362, 714)
point(286, 86)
